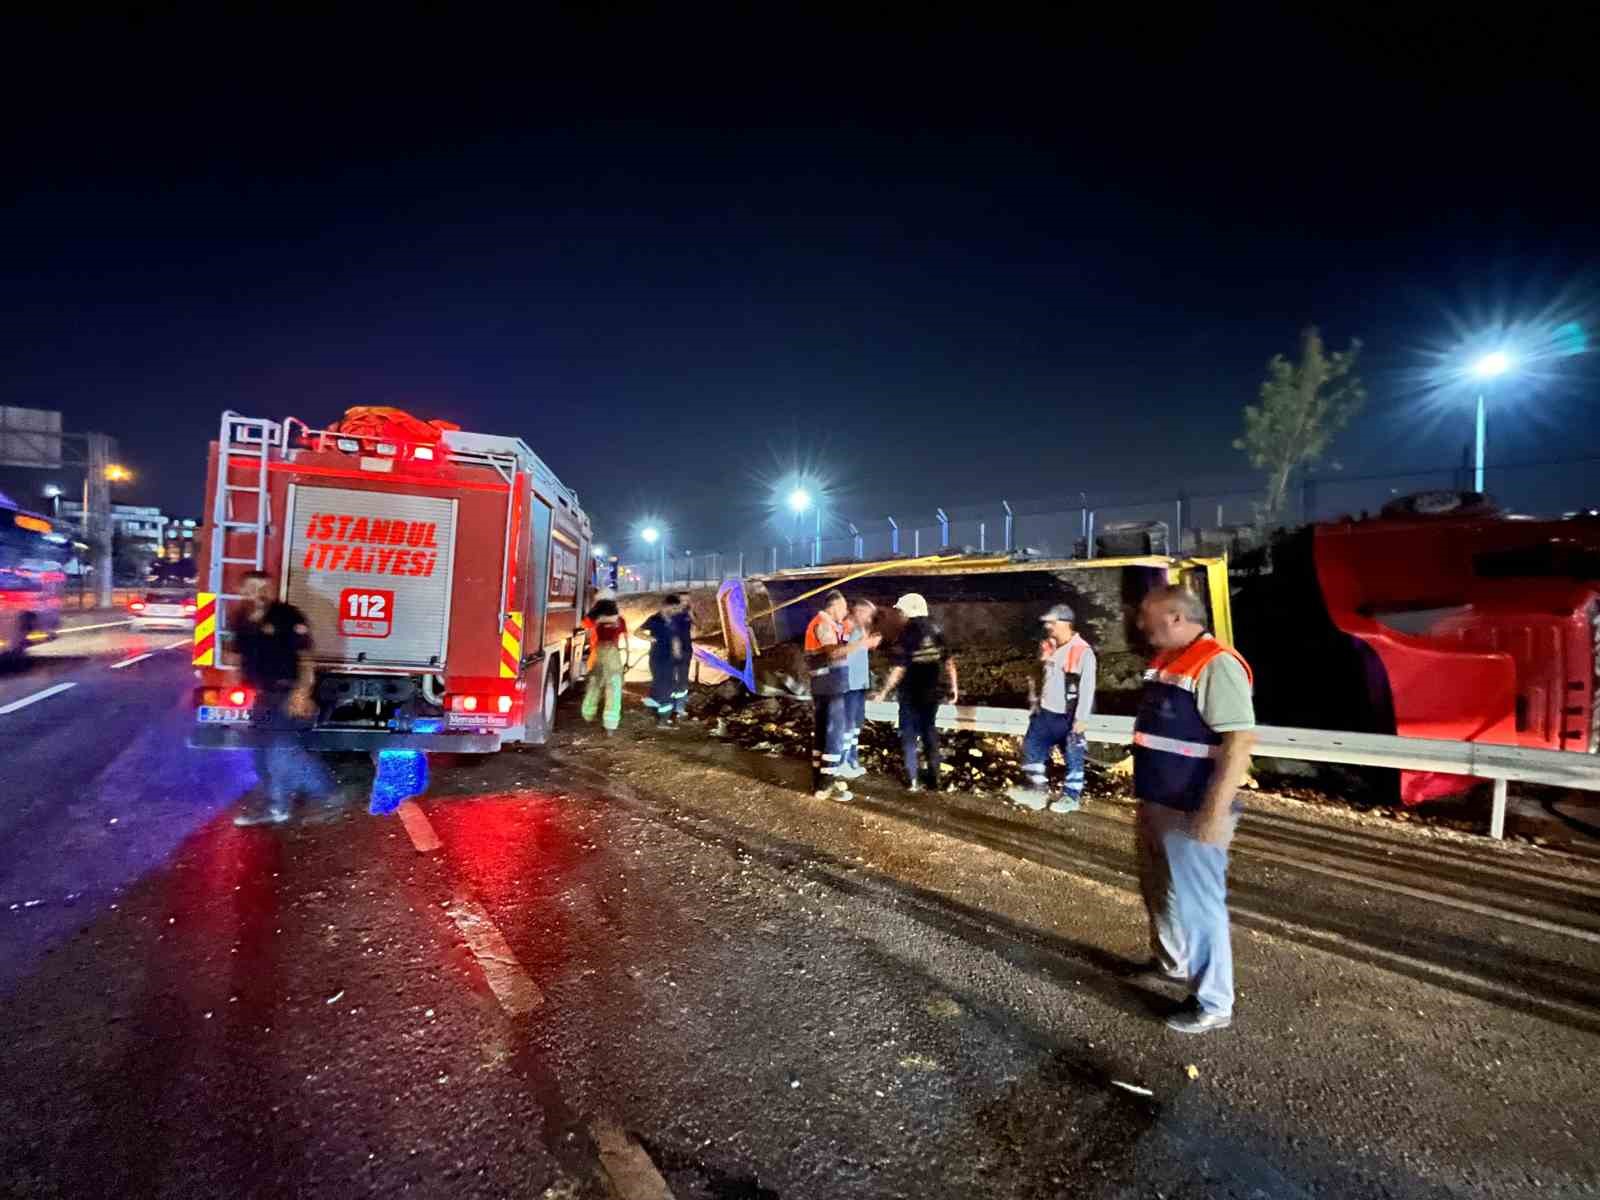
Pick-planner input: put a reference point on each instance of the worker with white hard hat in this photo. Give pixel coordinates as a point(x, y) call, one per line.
point(921, 659)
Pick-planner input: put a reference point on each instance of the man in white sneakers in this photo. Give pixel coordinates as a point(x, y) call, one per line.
point(1066, 698)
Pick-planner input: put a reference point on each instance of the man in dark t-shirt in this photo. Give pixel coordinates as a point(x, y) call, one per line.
point(922, 664)
point(274, 643)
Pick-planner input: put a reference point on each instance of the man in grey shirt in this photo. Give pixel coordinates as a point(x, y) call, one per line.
point(1066, 698)
point(1191, 751)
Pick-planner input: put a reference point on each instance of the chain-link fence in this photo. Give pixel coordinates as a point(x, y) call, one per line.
point(1077, 525)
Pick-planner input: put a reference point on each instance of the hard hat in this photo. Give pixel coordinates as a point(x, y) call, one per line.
point(1060, 612)
point(912, 605)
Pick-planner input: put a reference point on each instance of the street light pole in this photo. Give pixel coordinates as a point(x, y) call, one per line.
point(1477, 458)
point(1486, 368)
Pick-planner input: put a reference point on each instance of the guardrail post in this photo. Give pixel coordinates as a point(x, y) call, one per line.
point(1007, 507)
point(894, 538)
point(944, 529)
point(1497, 813)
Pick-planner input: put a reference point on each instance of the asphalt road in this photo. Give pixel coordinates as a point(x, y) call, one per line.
point(652, 959)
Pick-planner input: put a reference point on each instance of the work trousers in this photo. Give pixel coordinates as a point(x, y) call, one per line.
point(1046, 731)
point(284, 766)
point(663, 685)
point(680, 684)
point(1185, 886)
point(604, 681)
point(827, 744)
point(855, 716)
point(919, 729)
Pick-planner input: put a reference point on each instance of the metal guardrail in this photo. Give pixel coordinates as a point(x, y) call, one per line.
point(1479, 760)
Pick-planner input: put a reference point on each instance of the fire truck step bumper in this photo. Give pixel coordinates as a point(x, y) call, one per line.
point(223, 737)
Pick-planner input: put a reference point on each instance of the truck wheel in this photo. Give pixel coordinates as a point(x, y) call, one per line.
point(540, 733)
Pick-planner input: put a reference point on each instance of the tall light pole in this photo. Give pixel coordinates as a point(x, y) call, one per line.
point(52, 493)
point(1489, 366)
point(800, 500)
point(652, 537)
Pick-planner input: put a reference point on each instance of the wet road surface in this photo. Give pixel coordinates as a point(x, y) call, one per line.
point(658, 938)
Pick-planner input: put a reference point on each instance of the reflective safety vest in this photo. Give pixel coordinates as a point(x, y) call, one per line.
point(827, 678)
point(1174, 750)
point(1070, 659)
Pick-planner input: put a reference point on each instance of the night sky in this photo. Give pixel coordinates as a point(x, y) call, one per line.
point(941, 265)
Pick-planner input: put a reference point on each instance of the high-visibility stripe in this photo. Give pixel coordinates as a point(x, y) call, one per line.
point(1152, 741)
point(205, 630)
point(1187, 682)
point(511, 646)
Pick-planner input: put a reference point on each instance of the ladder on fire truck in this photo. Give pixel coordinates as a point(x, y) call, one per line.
point(248, 442)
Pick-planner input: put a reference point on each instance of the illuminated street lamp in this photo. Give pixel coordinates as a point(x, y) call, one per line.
point(118, 474)
point(52, 493)
point(651, 535)
point(799, 500)
point(1487, 367)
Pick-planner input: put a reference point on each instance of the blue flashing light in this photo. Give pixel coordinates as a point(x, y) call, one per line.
point(427, 725)
point(401, 775)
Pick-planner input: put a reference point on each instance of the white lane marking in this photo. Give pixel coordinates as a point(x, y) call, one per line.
point(511, 985)
point(630, 1175)
point(35, 698)
point(176, 644)
point(418, 828)
point(128, 662)
point(66, 629)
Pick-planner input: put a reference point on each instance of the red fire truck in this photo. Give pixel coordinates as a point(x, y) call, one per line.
point(443, 575)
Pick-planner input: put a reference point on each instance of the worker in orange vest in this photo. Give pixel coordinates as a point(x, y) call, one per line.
point(827, 650)
point(1191, 752)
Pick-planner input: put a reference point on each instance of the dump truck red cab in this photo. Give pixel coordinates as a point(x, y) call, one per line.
point(1487, 626)
point(442, 573)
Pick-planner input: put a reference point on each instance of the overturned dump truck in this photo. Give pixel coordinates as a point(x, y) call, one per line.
point(988, 606)
point(1441, 617)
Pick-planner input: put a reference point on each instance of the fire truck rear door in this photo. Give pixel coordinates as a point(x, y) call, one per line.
point(372, 572)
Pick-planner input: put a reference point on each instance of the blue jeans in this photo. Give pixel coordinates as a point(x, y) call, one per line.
point(855, 716)
point(287, 769)
point(827, 745)
point(918, 728)
point(1046, 731)
point(1185, 886)
point(283, 765)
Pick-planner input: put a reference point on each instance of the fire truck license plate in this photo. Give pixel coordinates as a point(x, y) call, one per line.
point(212, 714)
point(366, 612)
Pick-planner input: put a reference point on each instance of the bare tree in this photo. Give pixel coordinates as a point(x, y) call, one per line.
point(1303, 405)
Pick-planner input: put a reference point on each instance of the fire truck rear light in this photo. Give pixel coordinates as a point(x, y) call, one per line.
point(238, 697)
point(467, 703)
point(348, 445)
point(504, 704)
point(423, 453)
point(387, 448)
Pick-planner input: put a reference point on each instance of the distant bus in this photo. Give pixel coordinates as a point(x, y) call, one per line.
point(32, 555)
